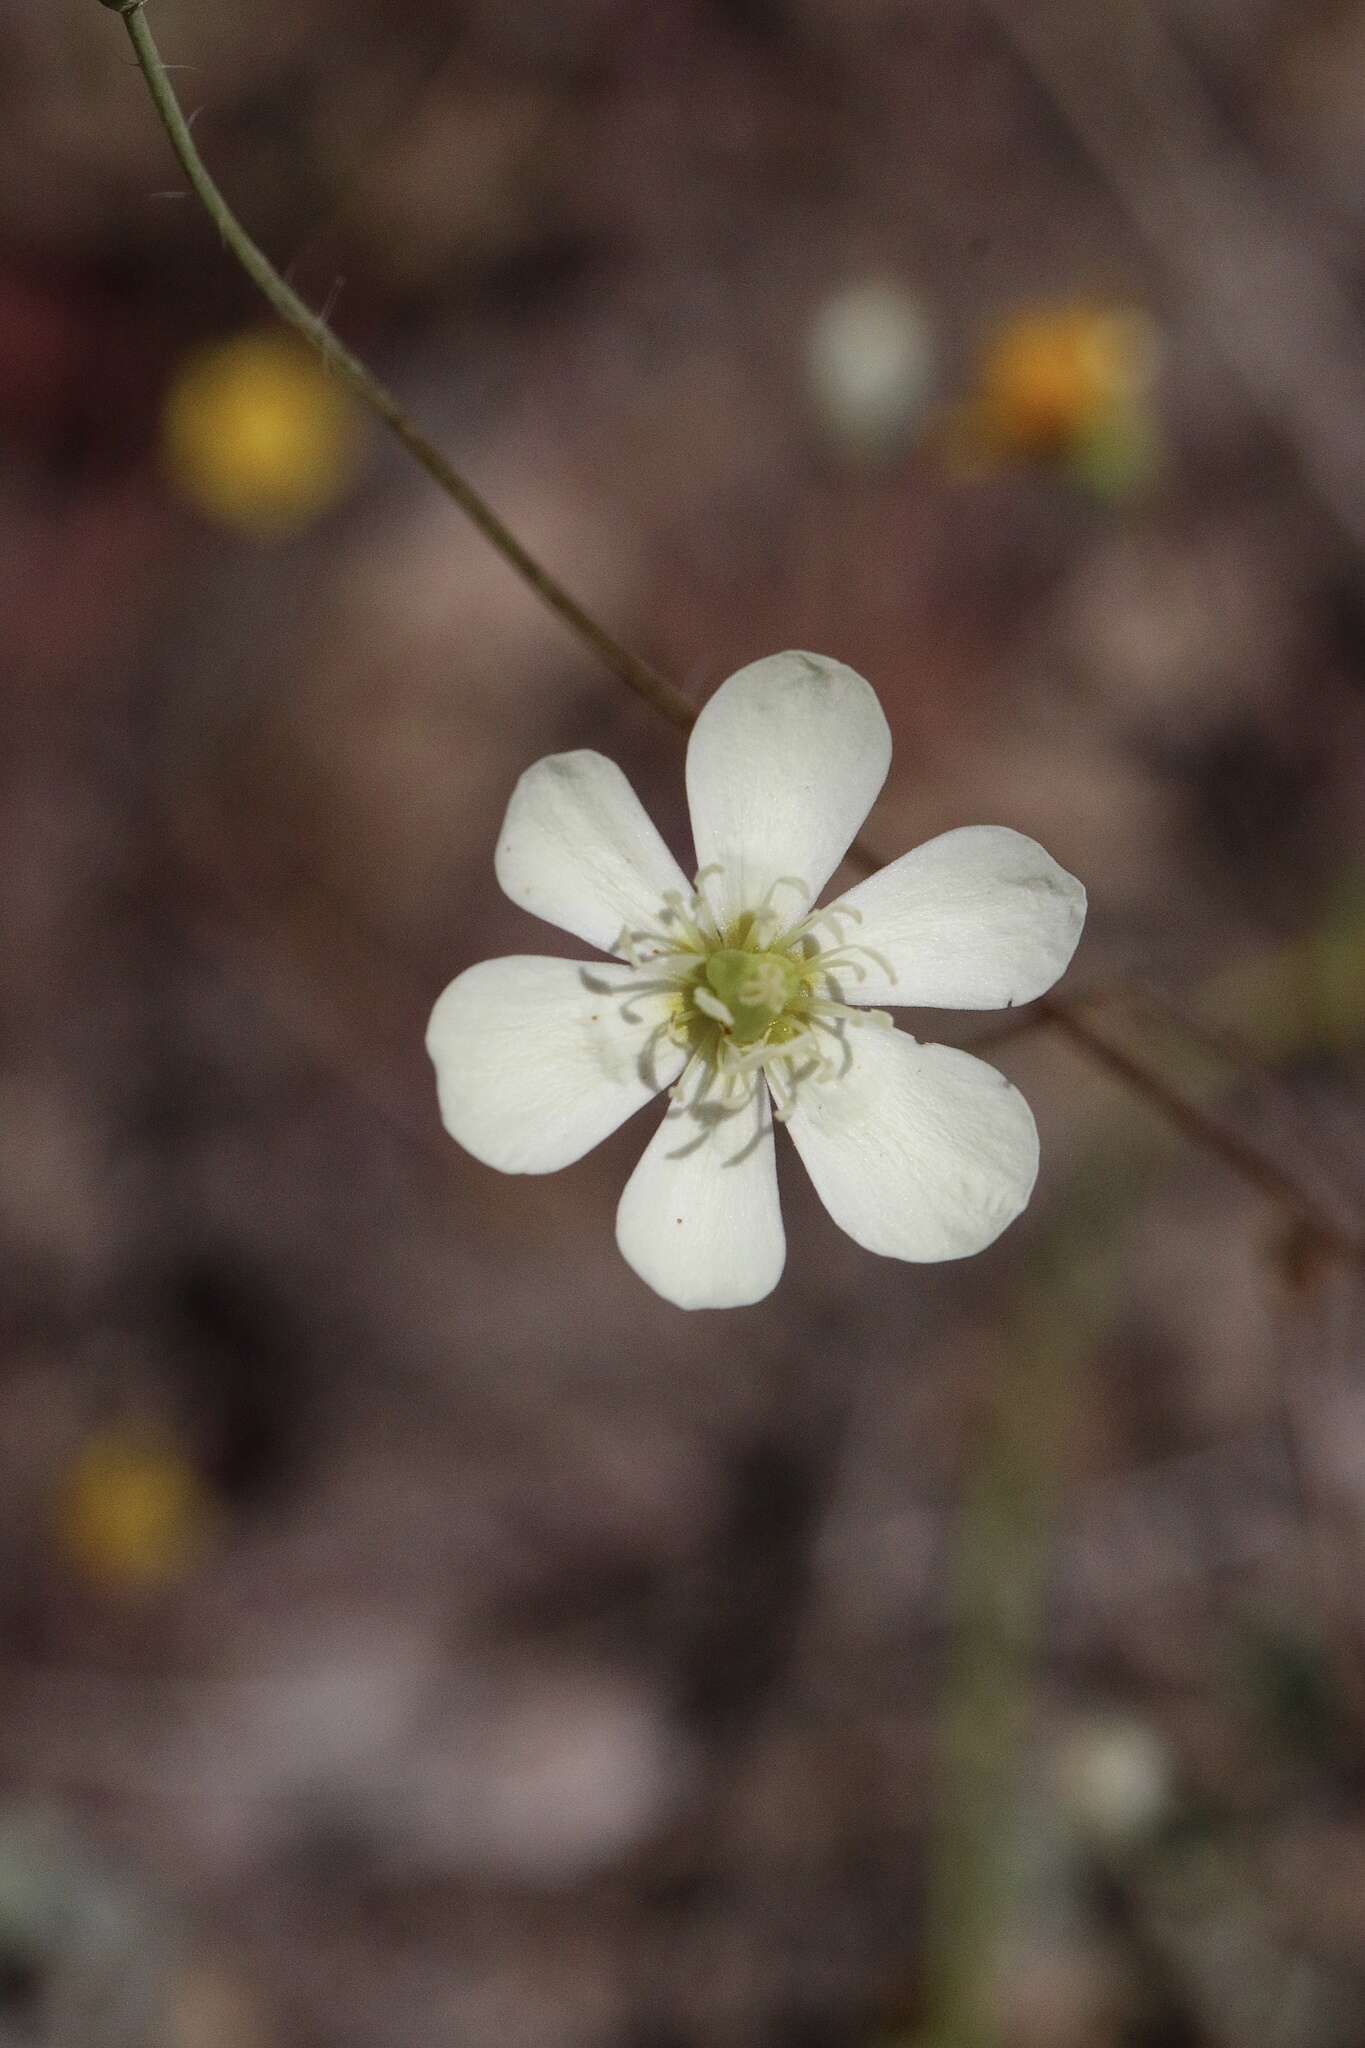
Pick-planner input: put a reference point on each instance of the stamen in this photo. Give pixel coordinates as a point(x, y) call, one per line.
point(699, 1069)
point(830, 914)
point(847, 959)
point(878, 960)
point(749, 1062)
point(793, 1076)
point(672, 968)
point(838, 1031)
point(703, 901)
point(822, 1006)
point(767, 1056)
point(768, 912)
point(674, 911)
point(649, 1052)
point(825, 965)
point(712, 1006)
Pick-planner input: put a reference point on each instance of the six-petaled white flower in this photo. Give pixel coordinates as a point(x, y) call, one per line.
point(740, 997)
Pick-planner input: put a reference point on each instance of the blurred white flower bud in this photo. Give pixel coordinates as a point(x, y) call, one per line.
point(1114, 1781)
point(870, 364)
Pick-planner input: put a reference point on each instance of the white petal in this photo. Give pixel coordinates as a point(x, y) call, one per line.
point(917, 1151)
point(699, 1219)
point(579, 849)
point(976, 919)
point(783, 765)
point(538, 1060)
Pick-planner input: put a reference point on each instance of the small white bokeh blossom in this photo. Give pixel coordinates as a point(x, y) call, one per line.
point(740, 997)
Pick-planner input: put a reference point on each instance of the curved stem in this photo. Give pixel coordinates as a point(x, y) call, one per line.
point(644, 680)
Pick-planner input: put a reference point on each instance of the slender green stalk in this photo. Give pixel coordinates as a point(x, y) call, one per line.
point(644, 680)
point(998, 1599)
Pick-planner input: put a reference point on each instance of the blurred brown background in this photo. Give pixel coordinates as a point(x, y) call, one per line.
point(412, 1631)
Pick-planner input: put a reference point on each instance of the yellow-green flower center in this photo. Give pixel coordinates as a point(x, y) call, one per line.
point(754, 987)
point(755, 994)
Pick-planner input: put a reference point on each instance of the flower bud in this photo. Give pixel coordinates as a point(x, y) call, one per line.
point(1114, 1781)
point(870, 361)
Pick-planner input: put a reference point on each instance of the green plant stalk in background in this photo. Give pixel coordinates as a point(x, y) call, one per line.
point(998, 1593)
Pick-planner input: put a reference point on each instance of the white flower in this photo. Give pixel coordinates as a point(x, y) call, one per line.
point(738, 995)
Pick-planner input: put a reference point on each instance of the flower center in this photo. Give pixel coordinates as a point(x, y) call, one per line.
point(761, 994)
point(754, 987)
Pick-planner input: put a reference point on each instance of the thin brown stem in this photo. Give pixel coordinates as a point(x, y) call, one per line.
point(664, 696)
point(1251, 1161)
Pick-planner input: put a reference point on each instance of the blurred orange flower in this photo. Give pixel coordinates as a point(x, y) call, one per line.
point(1070, 385)
point(258, 434)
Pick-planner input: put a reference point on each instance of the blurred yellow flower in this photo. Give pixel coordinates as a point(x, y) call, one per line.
point(258, 434)
point(132, 1512)
point(1071, 385)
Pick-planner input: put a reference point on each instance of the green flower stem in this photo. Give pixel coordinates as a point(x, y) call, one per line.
point(656, 690)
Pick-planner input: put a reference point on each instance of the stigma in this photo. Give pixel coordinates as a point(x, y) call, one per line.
point(753, 989)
